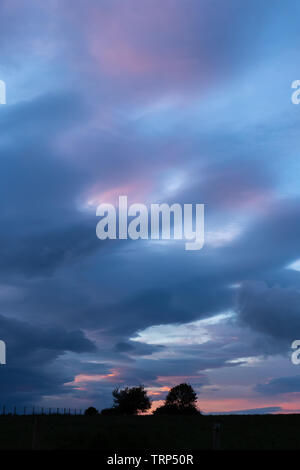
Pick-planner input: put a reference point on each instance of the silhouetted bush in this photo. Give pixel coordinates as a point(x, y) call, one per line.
point(174, 410)
point(91, 411)
point(111, 411)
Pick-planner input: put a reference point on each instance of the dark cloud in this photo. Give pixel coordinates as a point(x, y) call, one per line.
point(254, 411)
point(280, 385)
point(272, 310)
point(137, 349)
point(32, 352)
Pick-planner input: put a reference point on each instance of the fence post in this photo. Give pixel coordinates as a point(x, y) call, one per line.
point(34, 445)
point(216, 436)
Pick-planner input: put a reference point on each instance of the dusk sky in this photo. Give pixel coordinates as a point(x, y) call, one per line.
point(165, 101)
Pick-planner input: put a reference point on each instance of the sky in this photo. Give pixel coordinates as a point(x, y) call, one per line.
point(173, 101)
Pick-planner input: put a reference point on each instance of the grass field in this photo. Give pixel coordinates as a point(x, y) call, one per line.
point(148, 432)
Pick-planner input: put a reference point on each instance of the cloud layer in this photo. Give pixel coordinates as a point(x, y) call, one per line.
point(184, 103)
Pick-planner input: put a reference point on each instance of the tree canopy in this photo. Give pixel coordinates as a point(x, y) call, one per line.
point(181, 399)
point(91, 411)
point(182, 396)
point(131, 400)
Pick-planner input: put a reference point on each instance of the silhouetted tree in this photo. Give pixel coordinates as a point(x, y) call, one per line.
point(181, 400)
point(91, 411)
point(182, 396)
point(132, 400)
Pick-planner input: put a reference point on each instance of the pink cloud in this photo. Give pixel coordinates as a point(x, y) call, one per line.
point(82, 380)
point(135, 39)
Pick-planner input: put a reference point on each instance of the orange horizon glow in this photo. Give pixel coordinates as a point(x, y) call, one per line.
point(290, 403)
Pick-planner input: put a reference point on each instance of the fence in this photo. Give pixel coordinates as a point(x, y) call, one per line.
point(37, 411)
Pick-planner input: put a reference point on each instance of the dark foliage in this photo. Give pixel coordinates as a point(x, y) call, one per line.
point(130, 401)
point(174, 410)
point(181, 400)
point(111, 411)
point(91, 411)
